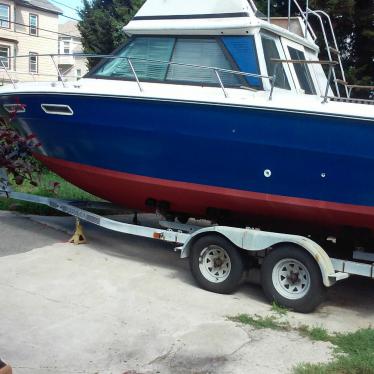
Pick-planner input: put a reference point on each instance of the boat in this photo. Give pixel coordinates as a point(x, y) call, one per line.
point(211, 110)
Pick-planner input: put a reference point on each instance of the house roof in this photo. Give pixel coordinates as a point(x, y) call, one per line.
point(69, 28)
point(40, 4)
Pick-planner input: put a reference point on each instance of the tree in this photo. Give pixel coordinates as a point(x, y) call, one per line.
point(362, 66)
point(102, 23)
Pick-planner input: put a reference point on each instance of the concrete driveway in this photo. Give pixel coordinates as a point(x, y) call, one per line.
point(123, 304)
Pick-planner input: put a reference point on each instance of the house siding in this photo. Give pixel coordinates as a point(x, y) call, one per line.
point(21, 43)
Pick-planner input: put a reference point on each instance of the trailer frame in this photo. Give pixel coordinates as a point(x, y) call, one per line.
point(251, 241)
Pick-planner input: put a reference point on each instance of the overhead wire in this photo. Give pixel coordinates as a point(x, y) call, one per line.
point(75, 19)
point(55, 1)
point(63, 4)
point(39, 28)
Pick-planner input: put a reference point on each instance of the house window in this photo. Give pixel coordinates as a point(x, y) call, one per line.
point(4, 56)
point(79, 73)
point(4, 16)
point(33, 21)
point(66, 47)
point(33, 62)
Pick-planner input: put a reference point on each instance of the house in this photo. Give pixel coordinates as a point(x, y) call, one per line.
point(71, 67)
point(28, 28)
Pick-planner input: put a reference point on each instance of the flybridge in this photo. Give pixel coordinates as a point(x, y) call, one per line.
point(195, 8)
point(211, 17)
point(157, 16)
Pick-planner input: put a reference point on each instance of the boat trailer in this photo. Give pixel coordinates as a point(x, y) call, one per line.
point(295, 271)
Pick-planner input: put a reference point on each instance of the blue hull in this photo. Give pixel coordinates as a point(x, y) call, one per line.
point(283, 153)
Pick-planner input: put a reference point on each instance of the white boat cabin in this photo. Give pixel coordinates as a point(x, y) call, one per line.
point(177, 42)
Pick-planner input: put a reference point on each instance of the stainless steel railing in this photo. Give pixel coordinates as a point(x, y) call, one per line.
point(217, 71)
point(331, 65)
point(304, 15)
point(319, 14)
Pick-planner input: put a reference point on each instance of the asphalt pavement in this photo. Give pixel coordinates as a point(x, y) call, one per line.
point(20, 234)
point(123, 304)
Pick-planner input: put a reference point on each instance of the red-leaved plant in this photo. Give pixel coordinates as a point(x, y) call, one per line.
point(15, 155)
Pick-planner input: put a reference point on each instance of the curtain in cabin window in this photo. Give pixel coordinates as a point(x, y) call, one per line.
point(139, 50)
point(196, 51)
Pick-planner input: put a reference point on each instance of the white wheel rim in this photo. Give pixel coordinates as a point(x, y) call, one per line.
point(214, 264)
point(291, 279)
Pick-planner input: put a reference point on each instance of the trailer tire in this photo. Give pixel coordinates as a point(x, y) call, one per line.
point(216, 264)
point(301, 290)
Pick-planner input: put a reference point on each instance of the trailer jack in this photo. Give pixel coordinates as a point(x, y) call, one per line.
point(78, 237)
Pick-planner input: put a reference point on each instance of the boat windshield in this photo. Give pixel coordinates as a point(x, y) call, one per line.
point(150, 56)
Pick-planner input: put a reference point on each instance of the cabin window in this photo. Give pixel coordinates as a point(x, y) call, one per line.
point(271, 52)
point(302, 71)
point(139, 50)
point(161, 50)
point(205, 52)
point(243, 51)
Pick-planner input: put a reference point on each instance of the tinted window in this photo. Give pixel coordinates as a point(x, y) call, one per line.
point(194, 51)
point(302, 71)
point(206, 52)
point(138, 50)
point(271, 51)
point(243, 51)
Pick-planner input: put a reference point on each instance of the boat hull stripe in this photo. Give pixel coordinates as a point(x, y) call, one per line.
point(221, 104)
point(132, 191)
point(192, 16)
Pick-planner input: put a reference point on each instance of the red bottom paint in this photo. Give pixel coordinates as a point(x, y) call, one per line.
point(132, 191)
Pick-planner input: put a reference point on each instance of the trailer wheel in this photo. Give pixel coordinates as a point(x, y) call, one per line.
point(216, 264)
point(292, 278)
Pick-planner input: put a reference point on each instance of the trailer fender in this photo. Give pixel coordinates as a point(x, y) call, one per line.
point(256, 241)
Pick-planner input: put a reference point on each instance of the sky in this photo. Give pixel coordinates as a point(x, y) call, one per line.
point(65, 6)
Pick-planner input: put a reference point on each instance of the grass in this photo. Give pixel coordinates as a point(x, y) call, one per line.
point(46, 187)
point(314, 333)
point(258, 322)
point(280, 310)
point(353, 353)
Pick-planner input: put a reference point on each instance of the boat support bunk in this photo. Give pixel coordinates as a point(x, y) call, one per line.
point(295, 271)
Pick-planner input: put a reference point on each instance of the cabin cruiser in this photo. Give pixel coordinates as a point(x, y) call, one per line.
point(210, 110)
